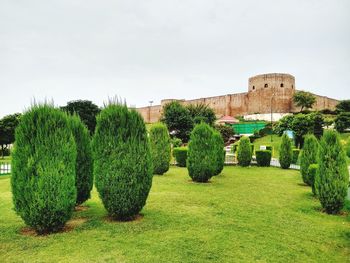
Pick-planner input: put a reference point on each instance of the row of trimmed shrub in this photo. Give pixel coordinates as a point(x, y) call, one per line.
point(54, 164)
point(323, 166)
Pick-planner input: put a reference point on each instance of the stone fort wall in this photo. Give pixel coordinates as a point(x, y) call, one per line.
point(266, 93)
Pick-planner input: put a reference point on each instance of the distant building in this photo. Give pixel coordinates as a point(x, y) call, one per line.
point(267, 93)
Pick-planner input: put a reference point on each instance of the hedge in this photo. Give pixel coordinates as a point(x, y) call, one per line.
point(308, 156)
point(286, 153)
point(244, 152)
point(180, 155)
point(263, 157)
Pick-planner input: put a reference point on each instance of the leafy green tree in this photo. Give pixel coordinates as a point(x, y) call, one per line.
point(8, 125)
point(86, 110)
point(226, 131)
point(84, 162)
point(122, 161)
point(284, 124)
point(308, 156)
point(244, 152)
point(304, 99)
point(43, 169)
point(180, 155)
point(343, 106)
point(286, 153)
point(201, 160)
point(202, 113)
point(178, 120)
point(301, 125)
point(342, 121)
point(219, 152)
point(160, 148)
point(332, 178)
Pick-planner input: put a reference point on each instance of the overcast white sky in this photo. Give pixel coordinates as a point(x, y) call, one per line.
point(150, 50)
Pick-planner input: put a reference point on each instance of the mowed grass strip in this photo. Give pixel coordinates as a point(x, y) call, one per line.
point(244, 214)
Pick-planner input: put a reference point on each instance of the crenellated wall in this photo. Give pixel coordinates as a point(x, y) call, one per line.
point(267, 93)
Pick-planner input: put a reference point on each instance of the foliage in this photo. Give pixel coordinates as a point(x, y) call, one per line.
point(43, 169)
point(343, 106)
point(332, 178)
point(86, 110)
point(244, 151)
point(219, 152)
point(175, 142)
point(263, 157)
point(301, 125)
point(202, 113)
point(312, 172)
point(295, 156)
point(122, 161)
point(317, 121)
point(178, 120)
point(84, 162)
point(347, 147)
point(180, 154)
point(226, 131)
point(8, 125)
point(160, 148)
point(342, 121)
point(284, 124)
point(308, 156)
point(286, 154)
point(304, 99)
point(201, 161)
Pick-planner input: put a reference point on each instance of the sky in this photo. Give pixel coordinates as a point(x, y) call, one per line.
point(141, 51)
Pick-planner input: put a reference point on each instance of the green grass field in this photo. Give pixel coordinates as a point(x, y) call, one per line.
point(266, 140)
point(244, 215)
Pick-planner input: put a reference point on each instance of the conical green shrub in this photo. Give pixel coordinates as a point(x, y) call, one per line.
point(160, 148)
point(43, 169)
point(219, 152)
point(286, 152)
point(332, 177)
point(201, 160)
point(308, 156)
point(244, 152)
point(84, 161)
point(122, 161)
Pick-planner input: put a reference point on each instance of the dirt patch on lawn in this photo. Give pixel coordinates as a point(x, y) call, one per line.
point(136, 218)
point(70, 226)
point(80, 208)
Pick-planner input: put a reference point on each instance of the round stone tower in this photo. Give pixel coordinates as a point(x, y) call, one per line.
point(271, 92)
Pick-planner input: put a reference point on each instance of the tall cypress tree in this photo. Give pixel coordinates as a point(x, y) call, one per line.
point(308, 156)
point(332, 177)
point(286, 152)
point(244, 152)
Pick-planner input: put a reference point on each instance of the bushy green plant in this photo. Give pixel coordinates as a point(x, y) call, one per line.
point(308, 156)
point(347, 148)
point(311, 173)
point(180, 154)
point(226, 131)
point(286, 153)
point(43, 169)
point(122, 161)
point(201, 161)
point(219, 152)
point(160, 148)
point(244, 151)
point(263, 157)
point(84, 163)
point(332, 177)
point(295, 156)
point(176, 142)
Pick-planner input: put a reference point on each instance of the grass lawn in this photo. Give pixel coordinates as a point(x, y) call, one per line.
point(244, 214)
point(266, 140)
point(6, 159)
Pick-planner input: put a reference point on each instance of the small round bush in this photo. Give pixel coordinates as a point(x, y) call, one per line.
point(286, 153)
point(84, 163)
point(219, 152)
point(263, 157)
point(43, 169)
point(201, 160)
point(244, 152)
point(180, 154)
point(295, 156)
point(332, 177)
point(122, 161)
point(160, 148)
point(312, 171)
point(308, 156)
